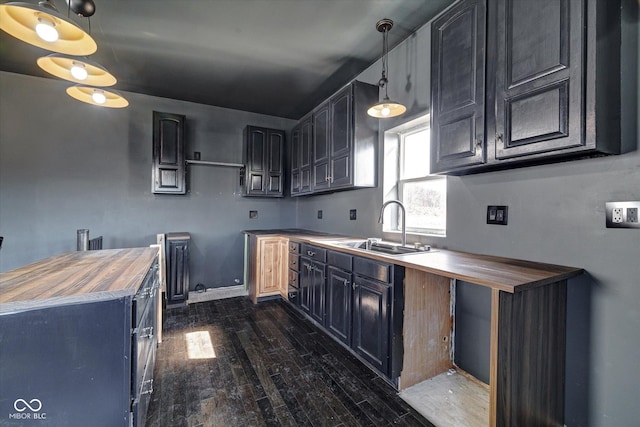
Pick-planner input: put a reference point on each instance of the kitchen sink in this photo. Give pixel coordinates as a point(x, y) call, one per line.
point(383, 247)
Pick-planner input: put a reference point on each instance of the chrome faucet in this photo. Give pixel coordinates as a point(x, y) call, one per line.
point(404, 227)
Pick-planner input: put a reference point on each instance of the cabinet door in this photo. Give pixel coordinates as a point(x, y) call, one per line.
point(273, 253)
point(168, 153)
point(306, 278)
point(306, 146)
point(178, 271)
point(317, 292)
point(539, 78)
point(340, 145)
point(458, 87)
point(256, 153)
point(321, 136)
point(274, 156)
point(371, 325)
point(295, 160)
point(338, 304)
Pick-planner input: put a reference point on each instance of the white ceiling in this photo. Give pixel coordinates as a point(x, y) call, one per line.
point(277, 57)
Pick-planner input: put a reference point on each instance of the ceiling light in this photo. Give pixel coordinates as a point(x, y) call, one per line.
point(100, 97)
point(43, 26)
point(74, 69)
point(386, 108)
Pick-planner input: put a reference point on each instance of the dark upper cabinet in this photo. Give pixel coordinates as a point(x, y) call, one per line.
point(321, 147)
point(177, 256)
point(553, 88)
point(458, 87)
point(338, 141)
point(169, 168)
point(264, 154)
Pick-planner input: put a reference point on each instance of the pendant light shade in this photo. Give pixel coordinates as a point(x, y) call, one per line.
point(77, 70)
point(386, 108)
point(43, 26)
point(96, 96)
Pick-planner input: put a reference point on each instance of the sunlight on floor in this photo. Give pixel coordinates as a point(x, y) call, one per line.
point(199, 345)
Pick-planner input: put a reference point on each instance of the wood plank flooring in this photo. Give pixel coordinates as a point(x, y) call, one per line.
point(271, 367)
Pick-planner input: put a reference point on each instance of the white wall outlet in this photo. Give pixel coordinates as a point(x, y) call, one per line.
point(622, 214)
point(616, 215)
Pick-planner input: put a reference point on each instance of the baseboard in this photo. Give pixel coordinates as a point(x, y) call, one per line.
point(217, 293)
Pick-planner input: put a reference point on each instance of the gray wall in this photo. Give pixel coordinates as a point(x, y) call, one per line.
point(556, 215)
point(66, 165)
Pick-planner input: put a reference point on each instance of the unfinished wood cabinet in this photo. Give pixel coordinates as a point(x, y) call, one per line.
point(527, 355)
point(268, 257)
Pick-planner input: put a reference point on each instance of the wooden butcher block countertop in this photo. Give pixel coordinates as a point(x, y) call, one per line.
point(505, 274)
point(75, 277)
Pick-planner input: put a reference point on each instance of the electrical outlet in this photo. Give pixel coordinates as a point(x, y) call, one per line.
point(616, 215)
point(352, 214)
point(319, 214)
point(622, 214)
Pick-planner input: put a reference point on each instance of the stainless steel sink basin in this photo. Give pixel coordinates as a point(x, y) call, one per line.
point(383, 247)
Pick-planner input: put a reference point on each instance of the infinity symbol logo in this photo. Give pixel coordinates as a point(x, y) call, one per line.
point(21, 405)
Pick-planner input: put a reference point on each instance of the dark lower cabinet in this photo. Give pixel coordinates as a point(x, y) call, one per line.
point(177, 254)
point(359, 301)
point(371, 321)
point(338, 304)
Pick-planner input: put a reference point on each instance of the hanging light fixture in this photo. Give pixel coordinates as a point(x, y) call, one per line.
point(386, 108)
point(96, 96)
point(77, 70)
point(43, 26)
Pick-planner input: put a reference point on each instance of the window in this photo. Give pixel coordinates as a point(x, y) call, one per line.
point(407, 178)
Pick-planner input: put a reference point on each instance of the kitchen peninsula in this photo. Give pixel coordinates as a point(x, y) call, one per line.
point(78, 338)
point(416, 296)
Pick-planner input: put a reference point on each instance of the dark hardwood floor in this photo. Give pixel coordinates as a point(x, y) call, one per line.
point(271, 367)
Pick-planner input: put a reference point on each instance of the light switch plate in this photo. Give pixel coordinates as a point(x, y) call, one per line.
point(352, 214)
point(497, 215)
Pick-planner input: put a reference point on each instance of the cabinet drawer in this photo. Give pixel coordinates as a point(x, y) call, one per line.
point(294, 262)
point(314, 252)
point(374, 269)
point(340, 260)
point(293, 278)
point(294, 247)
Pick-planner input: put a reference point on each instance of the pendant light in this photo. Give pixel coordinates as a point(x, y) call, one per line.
point(77, 70)
point(386, 108)
point(97, 96)
point(43, 26)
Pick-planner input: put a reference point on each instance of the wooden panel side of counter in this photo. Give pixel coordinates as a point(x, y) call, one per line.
point(427, 327)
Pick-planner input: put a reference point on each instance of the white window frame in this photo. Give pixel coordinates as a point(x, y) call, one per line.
point(393, 183)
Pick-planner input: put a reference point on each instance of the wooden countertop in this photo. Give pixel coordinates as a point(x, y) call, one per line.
point(505, 274)
point(74, 277)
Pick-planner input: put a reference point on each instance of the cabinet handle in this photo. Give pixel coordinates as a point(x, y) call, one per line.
point(293, 262)
point(479, 142)
point(499, 137)
point(311, 253)
point(354, 286)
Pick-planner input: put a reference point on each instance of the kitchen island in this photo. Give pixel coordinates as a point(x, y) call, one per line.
point(77, 339)
point(527, 324)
